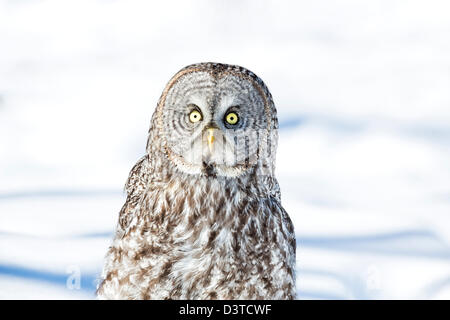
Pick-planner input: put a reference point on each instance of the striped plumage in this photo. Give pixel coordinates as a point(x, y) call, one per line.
point(204, 223)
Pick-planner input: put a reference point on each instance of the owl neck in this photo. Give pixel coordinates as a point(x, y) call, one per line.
point(254, 181)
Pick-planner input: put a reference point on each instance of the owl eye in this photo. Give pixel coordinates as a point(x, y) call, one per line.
point(231, 118)
point(195, 116)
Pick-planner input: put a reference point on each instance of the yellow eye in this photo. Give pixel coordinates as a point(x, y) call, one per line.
point(232, 118)
point(195, 116)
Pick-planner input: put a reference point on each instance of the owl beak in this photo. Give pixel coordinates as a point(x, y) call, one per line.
point(210, 139)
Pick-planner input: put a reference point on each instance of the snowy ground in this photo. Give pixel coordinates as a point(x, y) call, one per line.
point(363, 94)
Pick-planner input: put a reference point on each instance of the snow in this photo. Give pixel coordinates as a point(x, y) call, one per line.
point(362, 91)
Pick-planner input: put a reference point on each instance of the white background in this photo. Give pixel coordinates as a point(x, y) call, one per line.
point(362, 90)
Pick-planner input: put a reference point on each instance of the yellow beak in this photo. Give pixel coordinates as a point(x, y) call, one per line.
point(211, 139)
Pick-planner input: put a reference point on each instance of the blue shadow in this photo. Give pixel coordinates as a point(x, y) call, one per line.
point(87, 281)
point(406, 243)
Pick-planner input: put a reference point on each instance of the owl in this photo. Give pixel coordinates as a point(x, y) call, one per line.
point(203, 216)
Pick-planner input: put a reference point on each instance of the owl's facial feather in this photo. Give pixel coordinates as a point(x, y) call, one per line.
point(214, 122)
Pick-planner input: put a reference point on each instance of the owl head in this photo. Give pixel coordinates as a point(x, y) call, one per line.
point(217, 120)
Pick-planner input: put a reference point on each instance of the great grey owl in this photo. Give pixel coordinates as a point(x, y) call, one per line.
point(203, 217)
